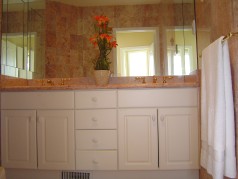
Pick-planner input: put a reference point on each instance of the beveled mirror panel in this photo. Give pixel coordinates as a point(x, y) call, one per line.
point(22, 39)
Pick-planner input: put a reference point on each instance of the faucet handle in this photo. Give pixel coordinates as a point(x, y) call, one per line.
point(165, 78)
point(51, 82)
point(155, 78)
point(140, 78)
point(63, 80)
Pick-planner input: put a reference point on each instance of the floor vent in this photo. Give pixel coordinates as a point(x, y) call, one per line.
point(76, 175)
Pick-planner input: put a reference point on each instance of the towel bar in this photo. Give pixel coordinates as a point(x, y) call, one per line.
point(229, 35)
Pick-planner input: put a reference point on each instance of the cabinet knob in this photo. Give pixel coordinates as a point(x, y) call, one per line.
point(153, 118)
point(38, 120)
point(94, 99)
point(95, 162)
point(94, 140)
point(162, 118)
point(31, 119)
point(94, 119)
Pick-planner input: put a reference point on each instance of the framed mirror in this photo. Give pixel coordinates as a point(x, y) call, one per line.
point(59, 47)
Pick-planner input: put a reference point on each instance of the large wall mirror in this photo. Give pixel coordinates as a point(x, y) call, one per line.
point(50, 38)
point(22, 54)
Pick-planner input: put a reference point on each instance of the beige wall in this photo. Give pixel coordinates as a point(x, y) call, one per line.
point(135, 39)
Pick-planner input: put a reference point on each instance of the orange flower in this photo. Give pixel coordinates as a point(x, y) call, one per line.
point(106, 36)
point(93, 40)
point(101, 19)
point(113, 44)
point(104, 40)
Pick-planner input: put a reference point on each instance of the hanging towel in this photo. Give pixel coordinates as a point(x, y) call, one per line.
point(217, 112)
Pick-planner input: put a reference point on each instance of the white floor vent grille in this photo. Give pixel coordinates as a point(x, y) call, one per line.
point(76, 175)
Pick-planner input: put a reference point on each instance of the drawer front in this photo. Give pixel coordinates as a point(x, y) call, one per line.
point(96, 119)
point(96, 160)
point(37, 100)
point(169, 97)
point(96, 139)
point(95, 99)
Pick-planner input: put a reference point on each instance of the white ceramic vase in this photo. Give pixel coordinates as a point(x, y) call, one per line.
point(101, 77)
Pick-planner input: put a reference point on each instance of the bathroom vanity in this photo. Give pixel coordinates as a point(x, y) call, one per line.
point(102, 130)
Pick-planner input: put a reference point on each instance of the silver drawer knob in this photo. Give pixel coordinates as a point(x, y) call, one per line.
point(94, 119)
point(162, 118)
point(95, 162)
point(94, 99)
point(94, 140)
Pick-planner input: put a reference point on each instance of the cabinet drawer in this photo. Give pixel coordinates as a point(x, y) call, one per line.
point(37, 100)
point(96, 160)
point(96, 119)
point(169, 97)
point(96, 139)
point(95, 99)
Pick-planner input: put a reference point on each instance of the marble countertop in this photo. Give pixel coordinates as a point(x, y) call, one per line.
point(88, 83)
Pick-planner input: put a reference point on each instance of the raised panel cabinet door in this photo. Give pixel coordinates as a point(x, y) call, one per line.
point(138, 139)
point(55, 134)
point(178, 138)
point(18, 139)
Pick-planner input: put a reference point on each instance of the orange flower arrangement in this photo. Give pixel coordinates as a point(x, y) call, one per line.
point(104, 40)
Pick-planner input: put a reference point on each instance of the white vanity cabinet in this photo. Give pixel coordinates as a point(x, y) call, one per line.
point(96, 129)
point(107, 129)
point(178, 138)
point(55, 139)
point(37, 130)
point(175, 137)
point(18, 137)
point(138, 144)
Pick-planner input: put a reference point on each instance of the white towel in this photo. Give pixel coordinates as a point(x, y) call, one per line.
point(217, 112)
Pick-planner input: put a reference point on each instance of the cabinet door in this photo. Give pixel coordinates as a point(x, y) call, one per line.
point(178, 138)
point(138, 139)
point(55, 134)
point(18, 135)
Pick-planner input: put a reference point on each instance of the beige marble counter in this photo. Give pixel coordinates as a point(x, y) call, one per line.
point(88, 83)
point(91, 86)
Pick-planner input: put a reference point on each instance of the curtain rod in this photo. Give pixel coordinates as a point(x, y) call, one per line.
point(229, 36)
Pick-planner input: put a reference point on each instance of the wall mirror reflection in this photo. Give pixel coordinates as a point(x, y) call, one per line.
point(22, 53)
point(137, 53)
point(56, 37)
point(181, 55)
